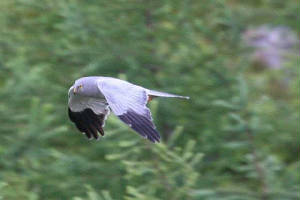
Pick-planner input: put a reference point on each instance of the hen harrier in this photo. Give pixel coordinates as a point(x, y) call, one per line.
point(91, 97)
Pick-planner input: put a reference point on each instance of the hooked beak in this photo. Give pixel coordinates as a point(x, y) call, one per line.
point(74, 90)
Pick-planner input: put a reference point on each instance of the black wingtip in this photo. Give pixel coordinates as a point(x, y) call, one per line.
point(88, 122)
point(141, 124)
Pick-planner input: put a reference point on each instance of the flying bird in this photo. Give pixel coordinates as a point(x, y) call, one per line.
point(91, 98)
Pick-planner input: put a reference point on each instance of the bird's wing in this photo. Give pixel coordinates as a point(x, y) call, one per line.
point(128, 102)
point(88, 114)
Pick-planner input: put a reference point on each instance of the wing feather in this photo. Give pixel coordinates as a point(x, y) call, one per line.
point(128, 102)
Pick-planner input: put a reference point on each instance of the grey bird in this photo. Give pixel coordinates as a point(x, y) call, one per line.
point(91, 98)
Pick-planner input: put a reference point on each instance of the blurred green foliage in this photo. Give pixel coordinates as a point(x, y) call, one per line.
point(236, 138)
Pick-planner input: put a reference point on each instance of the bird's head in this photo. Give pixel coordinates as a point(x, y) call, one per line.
point(77, 88)
point(86, 86)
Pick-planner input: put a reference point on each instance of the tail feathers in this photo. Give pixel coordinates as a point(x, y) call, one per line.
point(164, 94)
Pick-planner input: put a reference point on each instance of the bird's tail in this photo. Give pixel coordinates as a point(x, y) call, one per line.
point(164, 94)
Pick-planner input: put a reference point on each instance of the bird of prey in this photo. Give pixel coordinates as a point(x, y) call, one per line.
point(91, 98)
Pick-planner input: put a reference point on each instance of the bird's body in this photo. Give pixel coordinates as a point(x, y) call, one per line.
point(91, 98)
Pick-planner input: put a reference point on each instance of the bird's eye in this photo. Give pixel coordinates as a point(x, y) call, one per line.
point(80, 86)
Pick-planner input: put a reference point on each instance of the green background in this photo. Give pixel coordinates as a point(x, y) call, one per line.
point(236, 138)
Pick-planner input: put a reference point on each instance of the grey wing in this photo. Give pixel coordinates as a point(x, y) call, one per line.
point(88, 114)
point(128, 102)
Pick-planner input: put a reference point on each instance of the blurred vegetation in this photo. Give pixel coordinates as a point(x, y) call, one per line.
point(236, 138)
